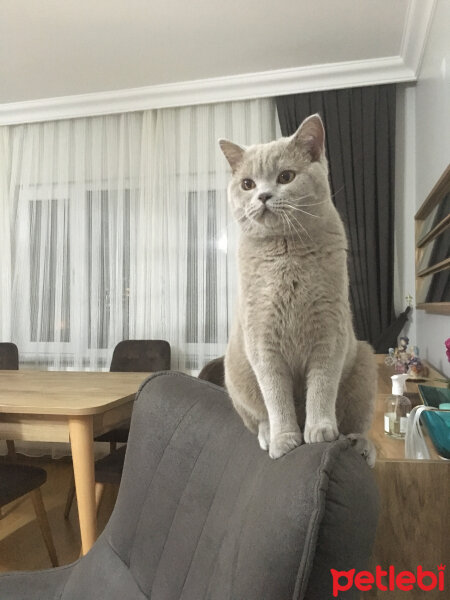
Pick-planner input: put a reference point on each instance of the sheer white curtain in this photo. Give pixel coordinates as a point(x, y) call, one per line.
point(5, 237)
point(185, 276)
point(117, 227)
point(71, 188)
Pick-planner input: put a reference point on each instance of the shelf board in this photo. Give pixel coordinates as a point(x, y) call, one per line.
point(439, 308)
point(435, 196)
point(437, 230)
point(440, 266)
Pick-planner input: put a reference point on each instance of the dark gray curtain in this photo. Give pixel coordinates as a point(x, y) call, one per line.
point(360, 143)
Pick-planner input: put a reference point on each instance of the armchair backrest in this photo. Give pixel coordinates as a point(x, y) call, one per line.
point(204, 513)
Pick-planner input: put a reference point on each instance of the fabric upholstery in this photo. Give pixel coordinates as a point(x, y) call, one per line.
point(9, 356)
point(109, 468)
point(204, 513)
point(118, 435)
point(141, 356)
point(17, 480)
point(214, 371)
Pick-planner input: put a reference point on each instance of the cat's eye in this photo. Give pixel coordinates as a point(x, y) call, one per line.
point(248, 184)
point(286, 177)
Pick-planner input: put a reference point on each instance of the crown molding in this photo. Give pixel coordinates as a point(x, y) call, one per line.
point(415, 33)
point(392, 69)
point(205, 91)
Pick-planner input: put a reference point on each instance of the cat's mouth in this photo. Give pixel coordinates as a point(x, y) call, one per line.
point(264, 216)
point(262, 211)
point(261, 214)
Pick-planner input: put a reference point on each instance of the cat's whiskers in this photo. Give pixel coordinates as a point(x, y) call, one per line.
point(285, 222)
point(244, 223)
point(293, 231)
point(313, 203)
point(305, 196)
point(292, 207)
point(300, 225)
point(293, 228)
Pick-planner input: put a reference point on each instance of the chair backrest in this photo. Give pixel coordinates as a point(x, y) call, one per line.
point(9, 356)
point(17, 480)
point(204, 513)
point(214, 371)
point(141, 356)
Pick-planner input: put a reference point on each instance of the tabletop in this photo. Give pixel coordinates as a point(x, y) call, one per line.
point(66, 392)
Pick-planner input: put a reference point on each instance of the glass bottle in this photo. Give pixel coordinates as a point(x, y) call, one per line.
point(397, 409)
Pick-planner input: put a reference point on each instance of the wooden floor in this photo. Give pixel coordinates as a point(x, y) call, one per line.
point(21, 544)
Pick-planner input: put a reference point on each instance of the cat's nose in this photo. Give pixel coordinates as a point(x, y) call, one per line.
point(264, 197)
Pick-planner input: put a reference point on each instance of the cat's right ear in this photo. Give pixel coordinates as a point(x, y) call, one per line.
point(311, 136)
point(233, 153)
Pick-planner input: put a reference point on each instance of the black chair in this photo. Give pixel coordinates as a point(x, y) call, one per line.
point(137, 356)
point(214, 372)
point(108, 471)
point(9, 356)
point(9, 361)
point(18, 480)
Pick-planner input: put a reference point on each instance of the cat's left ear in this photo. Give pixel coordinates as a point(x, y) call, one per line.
point(311, 136)
point(233, 153)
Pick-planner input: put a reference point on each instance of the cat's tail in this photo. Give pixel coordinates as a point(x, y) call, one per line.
point(357, 392)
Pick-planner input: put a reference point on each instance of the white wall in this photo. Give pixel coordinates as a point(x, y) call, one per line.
point(432, 155)
point(405, 206)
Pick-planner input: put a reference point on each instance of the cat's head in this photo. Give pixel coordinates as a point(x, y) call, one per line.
point(280, 188)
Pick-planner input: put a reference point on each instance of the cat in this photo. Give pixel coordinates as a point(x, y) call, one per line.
point(293, 362)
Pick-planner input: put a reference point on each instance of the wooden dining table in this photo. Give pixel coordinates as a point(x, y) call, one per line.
point(68, 406)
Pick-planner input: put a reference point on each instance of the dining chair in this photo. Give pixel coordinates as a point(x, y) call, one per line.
point(9, 356)
point(214, 371)
point(137, 356)
point(9, 361)
point(17, 480)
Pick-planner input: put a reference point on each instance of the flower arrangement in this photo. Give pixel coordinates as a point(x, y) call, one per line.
point(406, 360)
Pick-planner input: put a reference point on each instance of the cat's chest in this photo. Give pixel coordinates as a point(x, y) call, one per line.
point(284, 281)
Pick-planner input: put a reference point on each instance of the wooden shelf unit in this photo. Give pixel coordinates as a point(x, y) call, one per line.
point(438, 195)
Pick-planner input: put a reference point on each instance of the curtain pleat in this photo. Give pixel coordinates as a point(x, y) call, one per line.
point(360, 145)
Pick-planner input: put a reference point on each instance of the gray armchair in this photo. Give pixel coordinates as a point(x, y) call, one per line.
point(204, 513)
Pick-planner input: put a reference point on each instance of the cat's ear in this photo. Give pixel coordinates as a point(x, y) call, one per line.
point(233, 153)
point(311, 136)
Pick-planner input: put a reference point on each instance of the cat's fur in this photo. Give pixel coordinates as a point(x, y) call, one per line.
point(293, 362)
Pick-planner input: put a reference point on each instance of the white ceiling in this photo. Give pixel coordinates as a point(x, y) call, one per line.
point(52, 48)
point(69, 58)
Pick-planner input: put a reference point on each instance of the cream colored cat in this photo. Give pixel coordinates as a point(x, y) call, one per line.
point(293, 362)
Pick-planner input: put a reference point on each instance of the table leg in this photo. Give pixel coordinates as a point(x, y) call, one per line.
point(82, 442)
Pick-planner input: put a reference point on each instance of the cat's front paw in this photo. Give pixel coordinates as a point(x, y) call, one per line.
point(365, 447)
point(321, 432)
point(283, 443)
point(264, 435)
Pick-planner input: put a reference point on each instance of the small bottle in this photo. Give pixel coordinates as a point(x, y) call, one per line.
point(397, 409)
